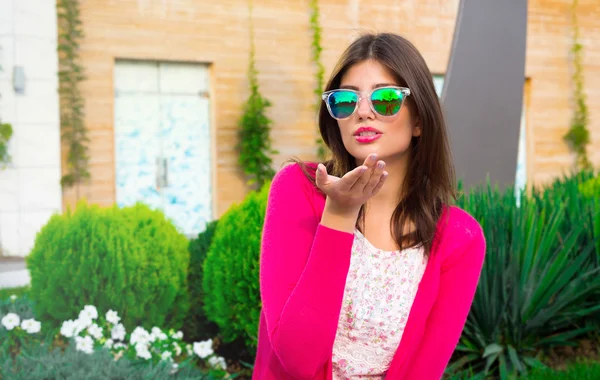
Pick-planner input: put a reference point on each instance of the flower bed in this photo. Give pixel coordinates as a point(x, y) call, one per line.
point(92, 334)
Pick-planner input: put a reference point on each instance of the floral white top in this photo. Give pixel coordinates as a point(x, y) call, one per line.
point(380, 289)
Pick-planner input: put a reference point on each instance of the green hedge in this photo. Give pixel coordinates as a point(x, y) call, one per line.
point(197, 327)
point(128, 259)
point(231, 270)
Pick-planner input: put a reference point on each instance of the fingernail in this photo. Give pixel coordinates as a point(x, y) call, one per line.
point(385, 174)
point(373, 157)
point(380, 165)
point(363, 169)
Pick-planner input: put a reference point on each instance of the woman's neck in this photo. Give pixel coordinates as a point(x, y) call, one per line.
point(379, 209)
point(391, 193)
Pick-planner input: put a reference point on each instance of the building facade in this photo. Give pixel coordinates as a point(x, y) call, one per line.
point(30, 190)
point(167, 81)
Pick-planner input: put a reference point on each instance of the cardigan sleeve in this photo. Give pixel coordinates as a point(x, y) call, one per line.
point(303, 269)
point(443, 328)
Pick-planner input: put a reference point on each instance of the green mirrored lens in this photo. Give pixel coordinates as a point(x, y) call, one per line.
point(387, 101)
point(342, 103)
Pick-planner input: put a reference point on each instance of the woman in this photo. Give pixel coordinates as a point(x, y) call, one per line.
point(366, 270)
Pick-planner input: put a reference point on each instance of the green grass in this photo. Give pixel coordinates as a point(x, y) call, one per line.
point(7, 292)
point(578, 371)
point(585, 370)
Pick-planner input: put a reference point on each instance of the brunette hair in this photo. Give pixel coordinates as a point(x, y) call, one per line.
point(429, 185)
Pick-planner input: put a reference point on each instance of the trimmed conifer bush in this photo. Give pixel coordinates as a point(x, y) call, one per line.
point(130, 259)
point(197, 326)
point(231, 270)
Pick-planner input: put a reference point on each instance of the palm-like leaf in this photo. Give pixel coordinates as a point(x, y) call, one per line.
point(537, 287)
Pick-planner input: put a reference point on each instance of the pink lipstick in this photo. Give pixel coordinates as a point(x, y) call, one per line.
point(366, 135)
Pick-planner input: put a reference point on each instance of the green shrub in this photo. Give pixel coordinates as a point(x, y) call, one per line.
point(537, 288)
point(128, 259)
point(10, 341)
point(591, 187)
point(23, 306)
point(231, 270)
point(6, 132)
point(39, 362)
point(5, 293)
point(196, 326)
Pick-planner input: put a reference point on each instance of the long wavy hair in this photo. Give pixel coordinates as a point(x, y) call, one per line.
point(430, 183)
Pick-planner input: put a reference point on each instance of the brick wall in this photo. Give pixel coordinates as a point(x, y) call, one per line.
point(216, 32)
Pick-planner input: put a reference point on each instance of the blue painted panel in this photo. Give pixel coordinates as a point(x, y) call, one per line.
point(185, 135)
point(162, 142)
point(136, 148)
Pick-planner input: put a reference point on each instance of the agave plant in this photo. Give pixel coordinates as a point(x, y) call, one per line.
point(537, 286)
point(578, 194)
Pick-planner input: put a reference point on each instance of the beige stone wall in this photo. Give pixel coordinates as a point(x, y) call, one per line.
point(549, 40)
point(216, 32)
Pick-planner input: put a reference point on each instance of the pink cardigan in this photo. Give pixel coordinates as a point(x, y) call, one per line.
point(303, 270)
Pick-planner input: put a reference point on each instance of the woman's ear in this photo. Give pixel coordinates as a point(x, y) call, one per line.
point(416, 129)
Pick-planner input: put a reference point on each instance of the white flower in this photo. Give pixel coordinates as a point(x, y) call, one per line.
point(89, 312)
point(112, 317)
point(175, 365)
point(139, 335)
point(141, 350)
point(178, 335)
point(155, 331)
point(95, 331)
point(203, 349)
point(157, 334)
point(68, 328)
point(11, 320)
point(166, 355)
point(217, 362)
point(177, 349)
point(119, 345)
point(189, 350)
point(13, 297)
point(118, 332)
point(85, 344)
point(31, 326)
point(82, 323)
point(109, 344)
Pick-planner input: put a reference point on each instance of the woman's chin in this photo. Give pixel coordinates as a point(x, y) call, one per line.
point(360, 153)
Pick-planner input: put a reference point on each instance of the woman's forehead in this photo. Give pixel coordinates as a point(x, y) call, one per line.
point(367, 75)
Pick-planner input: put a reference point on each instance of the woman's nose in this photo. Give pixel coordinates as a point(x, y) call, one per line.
point(364, 109)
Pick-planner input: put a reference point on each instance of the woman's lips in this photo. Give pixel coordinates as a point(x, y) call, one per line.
point(366, 135)
point(367, 138)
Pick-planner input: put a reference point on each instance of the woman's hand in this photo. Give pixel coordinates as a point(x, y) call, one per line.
point(346, 195)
